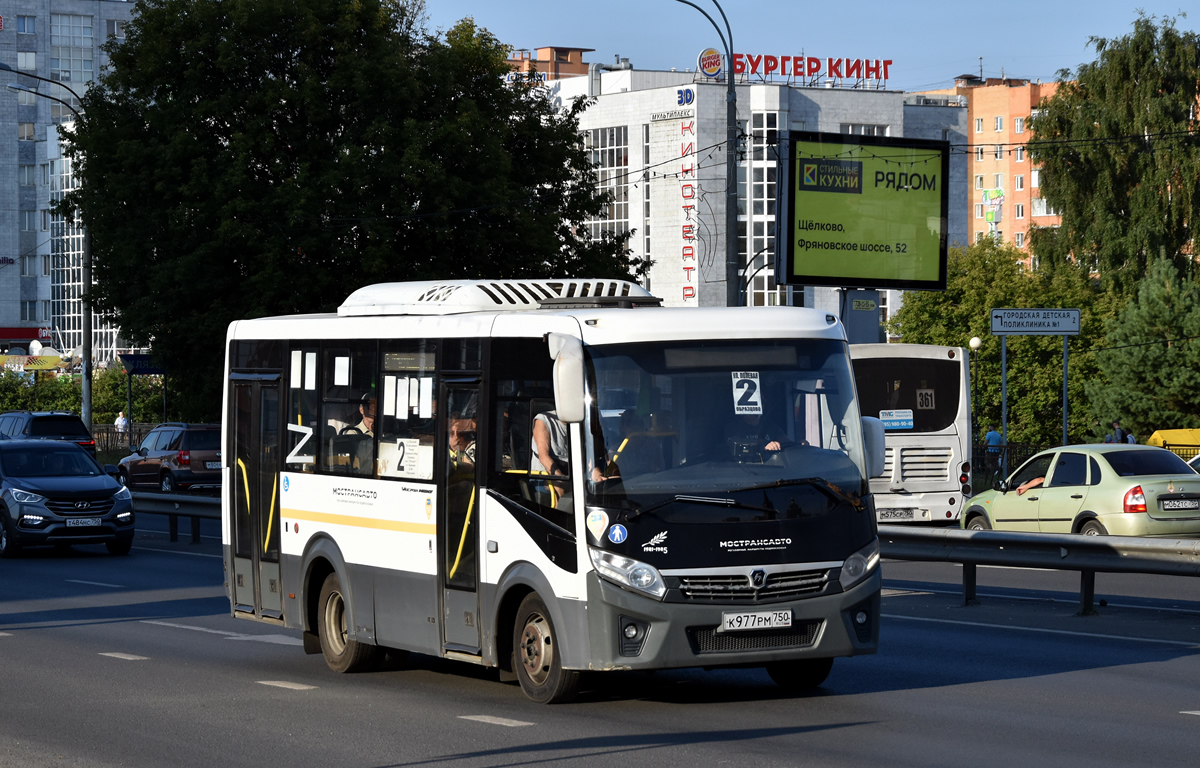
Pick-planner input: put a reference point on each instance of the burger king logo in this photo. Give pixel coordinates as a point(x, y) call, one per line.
point(708, 63)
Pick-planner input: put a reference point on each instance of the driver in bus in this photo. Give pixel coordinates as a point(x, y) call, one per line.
point(749, 434)
point(366, 424)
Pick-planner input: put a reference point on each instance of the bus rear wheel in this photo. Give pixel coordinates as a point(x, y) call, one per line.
point(800, 674)
point(341, 653)
point(536, 658)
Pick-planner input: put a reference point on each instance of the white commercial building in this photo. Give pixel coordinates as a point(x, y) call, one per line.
point(659, 142)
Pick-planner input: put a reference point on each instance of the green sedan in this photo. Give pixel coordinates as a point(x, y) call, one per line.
point(1123, 490)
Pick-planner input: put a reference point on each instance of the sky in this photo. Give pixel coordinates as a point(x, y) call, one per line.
point(928, 42)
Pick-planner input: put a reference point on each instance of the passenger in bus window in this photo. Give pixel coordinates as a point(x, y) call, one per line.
point(461, 434)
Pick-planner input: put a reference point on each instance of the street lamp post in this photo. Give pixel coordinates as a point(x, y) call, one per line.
point(732, 289)
point(85, 409)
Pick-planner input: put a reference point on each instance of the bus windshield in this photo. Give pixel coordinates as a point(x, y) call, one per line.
point(927, 388)
point(732, 430)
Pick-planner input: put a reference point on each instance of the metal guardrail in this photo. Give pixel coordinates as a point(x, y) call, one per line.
point(175, 506)
point(1064, 552)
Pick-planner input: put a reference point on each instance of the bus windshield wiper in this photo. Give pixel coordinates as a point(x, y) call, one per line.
point(708, 500)
point(824, 486)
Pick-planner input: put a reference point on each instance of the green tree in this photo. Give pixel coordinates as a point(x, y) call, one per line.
point(1151, 366)
point(1120, 156)
point(245, 158)
point(986, 276)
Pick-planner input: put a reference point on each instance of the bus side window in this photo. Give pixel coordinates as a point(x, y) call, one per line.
point(408, 409)
point(303, 433)
point(349, 408)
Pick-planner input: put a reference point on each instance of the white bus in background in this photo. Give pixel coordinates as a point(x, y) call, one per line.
point(922, 394)
point(703, 499)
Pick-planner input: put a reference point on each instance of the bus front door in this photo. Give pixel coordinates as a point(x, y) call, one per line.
point(255, 498)
point(459, 528)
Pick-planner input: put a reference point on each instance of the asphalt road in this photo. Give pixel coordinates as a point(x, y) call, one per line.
point(135, 661)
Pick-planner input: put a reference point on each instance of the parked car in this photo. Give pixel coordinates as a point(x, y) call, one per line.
point(47, 425)
point(56, 493)
point(176, 457)
point(1124, 490)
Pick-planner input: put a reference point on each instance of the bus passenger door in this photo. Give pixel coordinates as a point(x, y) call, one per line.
point(255, 497)
point(459, 526)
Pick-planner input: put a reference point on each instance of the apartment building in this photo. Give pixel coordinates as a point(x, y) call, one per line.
point(41, 255)
point(1003, 200)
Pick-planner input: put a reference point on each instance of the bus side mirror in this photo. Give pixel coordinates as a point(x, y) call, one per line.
point(567, 352)
point(873, 445)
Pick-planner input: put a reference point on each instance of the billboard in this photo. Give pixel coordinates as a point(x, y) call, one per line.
point(866, 212)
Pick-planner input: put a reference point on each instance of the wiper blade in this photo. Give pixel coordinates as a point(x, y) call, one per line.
point(708, 500)
point(822, 485)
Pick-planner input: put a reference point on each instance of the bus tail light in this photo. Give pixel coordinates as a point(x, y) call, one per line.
point(1135, 500)
point(184, 458)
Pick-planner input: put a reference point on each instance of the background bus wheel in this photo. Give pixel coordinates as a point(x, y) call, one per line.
point(537, 661)
point(801, 674)
point(1093, 528)
point(978, 523)
point(341, 653)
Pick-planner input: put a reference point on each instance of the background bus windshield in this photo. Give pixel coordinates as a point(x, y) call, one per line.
point(718, 418)
point(928, 388)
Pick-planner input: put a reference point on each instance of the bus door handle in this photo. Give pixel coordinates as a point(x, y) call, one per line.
point(897, 490)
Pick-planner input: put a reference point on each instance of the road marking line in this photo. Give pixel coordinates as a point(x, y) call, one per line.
point(177, 552)
point(5, 634)
point(1068, 632)
point(276, 639)
point(126, 656)
point(495, 720)
point(194, 629)
point(1189, 713)
point(95, 583)
point(286, 684)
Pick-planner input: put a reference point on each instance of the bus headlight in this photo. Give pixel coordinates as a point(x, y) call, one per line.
point(628, 572)
point(859, 565)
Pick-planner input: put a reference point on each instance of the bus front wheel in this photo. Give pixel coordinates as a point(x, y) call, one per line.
point(800, 674)
point(536, 658)
point(341, 653)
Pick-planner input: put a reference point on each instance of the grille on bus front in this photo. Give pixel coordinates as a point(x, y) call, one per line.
point(917, 463)
point(708, 640)
point(738, 589)
point(68, 506)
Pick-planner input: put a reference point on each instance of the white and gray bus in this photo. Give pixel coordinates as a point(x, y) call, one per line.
point(552, 477)
point(922, 393)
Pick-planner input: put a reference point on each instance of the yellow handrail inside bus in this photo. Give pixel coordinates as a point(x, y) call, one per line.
point(463, 539)
point(245, 484)
point(543, 473)
point(613, 462)
point(271, 514)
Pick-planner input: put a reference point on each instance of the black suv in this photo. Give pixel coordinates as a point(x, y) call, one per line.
point(47, 425)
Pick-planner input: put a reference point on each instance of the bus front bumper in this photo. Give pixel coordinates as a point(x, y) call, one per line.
point(680, 634)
